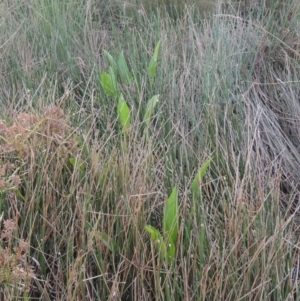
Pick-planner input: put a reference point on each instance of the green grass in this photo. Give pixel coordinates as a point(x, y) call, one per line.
point(85, 173)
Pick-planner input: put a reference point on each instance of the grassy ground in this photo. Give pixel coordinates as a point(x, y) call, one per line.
point(79, 185)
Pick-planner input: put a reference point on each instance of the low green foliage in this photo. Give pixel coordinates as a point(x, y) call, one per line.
point(153, 63)
point(120, 70)
point(123, 113)
point(149, 112)
point(198, 179)
point(167, 242)
point(109, 83)
point(124, 73)
point(109, 242)
point(171, 217)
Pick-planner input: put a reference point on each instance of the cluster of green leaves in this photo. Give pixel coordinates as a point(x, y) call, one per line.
point(119, 72)
point(166, 242)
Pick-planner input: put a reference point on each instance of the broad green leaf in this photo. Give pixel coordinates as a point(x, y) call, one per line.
point(77, 162)
point(113, 77)
point(109, 242)
point(162, 249)
point(109, 84)
point(204, 168)
point(154, 233)
point(125, 75)
point(150, 109)
point(157, 238)
point(171, 251)
point(111, 60)
point(78, 139)
point(153, 62)
point(199, 177)
point(171, 216)
point(123, 113)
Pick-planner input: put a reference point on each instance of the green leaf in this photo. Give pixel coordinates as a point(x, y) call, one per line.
point(171, 251)
point(109, 242)
point(150, 109)
point(154, 233)
point(77, 162)
point(125, 75)
point(111, 60)
point(123, 113)
point(72, 161)
point(166, 251)
point(113, 77)
point(160, 245)
point(153, 63)
point(171, 217)
point(109, 83)
point(148, 114)
point(199, 177)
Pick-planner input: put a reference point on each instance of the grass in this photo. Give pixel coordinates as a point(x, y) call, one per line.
point(80, 185)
